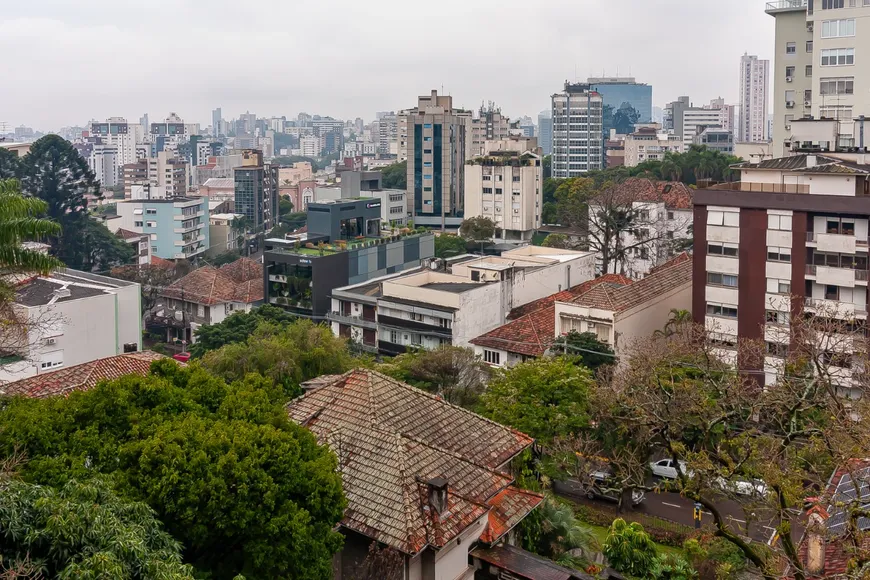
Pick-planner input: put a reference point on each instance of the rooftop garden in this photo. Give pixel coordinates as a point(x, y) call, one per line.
point(506, 158)
point(322, 249)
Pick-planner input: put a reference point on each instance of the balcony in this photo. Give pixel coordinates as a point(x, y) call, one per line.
point(836, 243)
point(353, 320)
point(831, 276)
point(762, 187)
point(835, 308)
point(785, 6)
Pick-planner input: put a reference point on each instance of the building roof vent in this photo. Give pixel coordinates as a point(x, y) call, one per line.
point(437, 488)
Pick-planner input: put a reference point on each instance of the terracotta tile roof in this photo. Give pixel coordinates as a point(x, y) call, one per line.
point(509, 507)
point(532, 333)
point(391, 439)
point(667, 277)
point(839, 493)
point(524, 565)
point(674, 194)
point(128, 235)
point(209, 285)
point(161, 263)
point(82, 377)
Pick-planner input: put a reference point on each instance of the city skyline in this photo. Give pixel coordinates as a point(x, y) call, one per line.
point(61, 76)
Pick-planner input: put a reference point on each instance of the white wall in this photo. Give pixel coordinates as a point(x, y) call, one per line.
point(479, 312)
point(530, 285)
point(451, 562)
point(642, 321)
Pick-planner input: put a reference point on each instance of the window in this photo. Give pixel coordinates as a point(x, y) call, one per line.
point(774, 317)
point(779, 222)
point(492, 357)
point(722, 249)
point(808, 95)
point(808, 71)
point(200, 310)
point(394, 337)
point(416, 317)
point(416, 339)
point(840, 226)
point(809, 46)
point(644, 253)
point(777, 350)
point(723, 218)
point(789, 96)
point(487, 177)
point(778, 254)
point(644, 215)
point(838, 56)
point(790, 47)
point(670, 215)
point(837, 86)
point(151, 224)
point(427, 164)
point(789, 72)
point(475, 276)
point(832, 292)
point(832, 4)
point(499, 178)
point(427, 177)
point(427, 189)
point(444, 322)
point(498, 191)
point(427, 125)
point(138, 224)
point(838, 28)
point(839, 113)
point(721, 310)
point(427, 139)
point(717, 279)
point(151, 212)
point(516, 178)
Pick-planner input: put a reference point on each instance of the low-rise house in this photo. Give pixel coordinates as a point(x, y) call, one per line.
point(614, 308)
point(140, 242)
point(207, 295)
point(69, 318)
point(224, 233)
point(425, 478)
point(456, 301)
point(660, 216)
point(81, 377)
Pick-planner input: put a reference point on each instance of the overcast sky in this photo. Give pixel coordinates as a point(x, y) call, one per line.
point(69, 61)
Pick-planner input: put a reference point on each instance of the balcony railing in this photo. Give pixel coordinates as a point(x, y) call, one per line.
point(778, 5)
point(352, 320)
point(762, 187)
point(814, 237)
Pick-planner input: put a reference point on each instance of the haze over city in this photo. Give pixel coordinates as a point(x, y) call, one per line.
point(76, 61)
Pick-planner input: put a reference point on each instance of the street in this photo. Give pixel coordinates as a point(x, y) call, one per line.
point(675, 508)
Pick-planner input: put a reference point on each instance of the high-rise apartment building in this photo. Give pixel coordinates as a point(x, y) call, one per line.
point(696, 120)
point(256, 191)
point(388, 134)
point(726, 113)
point(578, 146)
point(488, 125)
point(752, 107)
point(789, 238)
point(545, 132)
point(216, 122)
point(674, 114)
point(103, 161)
point(118, 132)
point(505, 186)
point(820, 49)
point(436, 143)
point(163, 170)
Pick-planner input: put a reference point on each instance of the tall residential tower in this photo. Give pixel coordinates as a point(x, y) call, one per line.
point(753, 99)
point(577, 121)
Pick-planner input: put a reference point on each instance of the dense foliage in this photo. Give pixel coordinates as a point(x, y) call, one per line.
point(545, 398)
point(241, 487)
point(236, 328)
point(586, 348)
point(477, 228)
point(629, 549)
point(286, 354)
point(395, 176)
point(449, 245)
point(83, 530)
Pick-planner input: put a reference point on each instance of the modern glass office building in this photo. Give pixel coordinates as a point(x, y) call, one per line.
point(619, 90)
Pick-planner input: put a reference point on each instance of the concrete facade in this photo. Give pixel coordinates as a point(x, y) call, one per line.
point(752, 107)
point(178, 227)
point(578, 145)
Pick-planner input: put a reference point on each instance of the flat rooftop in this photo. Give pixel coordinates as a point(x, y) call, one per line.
point(454, 287)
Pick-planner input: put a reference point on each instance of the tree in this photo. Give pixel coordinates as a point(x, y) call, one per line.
point(20, 222)
point(287, 354)
point(454, 373)
point(554, 532)
point(629, 549)
point(285, 206)
point(545, 398)
point(572, 199)
point(547, 164)
point(477, 228)
point(586, 348)
point(381, 563)
point(556, 241)
point(96, 248)
point(395, 176)
point(236, 328)
point(449, 245)
point(9, 164)
point(244, 490)
point(84, 530)
point(679, 321)
point(153, 279)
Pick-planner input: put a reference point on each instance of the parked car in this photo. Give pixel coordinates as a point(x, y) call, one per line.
point(742, 486)
point(667, 468)
point(602, 487)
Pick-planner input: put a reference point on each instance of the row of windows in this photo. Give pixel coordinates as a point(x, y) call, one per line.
point(717, 279)
point(724, 310)
point(838, 56)
point(722, 249)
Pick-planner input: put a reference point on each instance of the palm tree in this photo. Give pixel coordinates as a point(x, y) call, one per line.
point(553, 531)
point(19, 223)
point(677, 320)
point(670, 170)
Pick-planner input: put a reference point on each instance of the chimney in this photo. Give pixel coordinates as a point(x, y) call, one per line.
point(437, 487)
point(816, 531)
point(811, 161)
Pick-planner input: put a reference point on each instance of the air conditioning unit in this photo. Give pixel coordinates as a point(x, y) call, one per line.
point(808, 103)
point(50, 341)
point(789, 104)
point(789, 79)
point(590, 326)
point(788, 127)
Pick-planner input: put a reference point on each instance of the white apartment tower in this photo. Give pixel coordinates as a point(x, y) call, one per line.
point(505, 185)
point(822, 46)
point(577, 119)
point(118, 132)
point(753, 99)
point(103, 161)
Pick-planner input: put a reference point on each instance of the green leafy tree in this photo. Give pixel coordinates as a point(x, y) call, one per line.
point(243, 489)
point(572, 199)
point(550, 213)
point(449, 245)
point(554, 532)
point(586, 348)
point(225, 258)
point(287, 354)
point(477, 228)
point(236, 328)
point(629, 549)
point(678, 321)
point(545, 398)
point(395, 176)
point(96, 248)
point(547, 164)
point(20, 222)
point(452, 372)
point(556, 241)
point(84, 530)
point(285, 206)
point(9, 164)
point(672, 567)
point(152, 278)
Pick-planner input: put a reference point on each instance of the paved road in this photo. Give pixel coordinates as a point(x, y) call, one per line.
point(674, 508)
